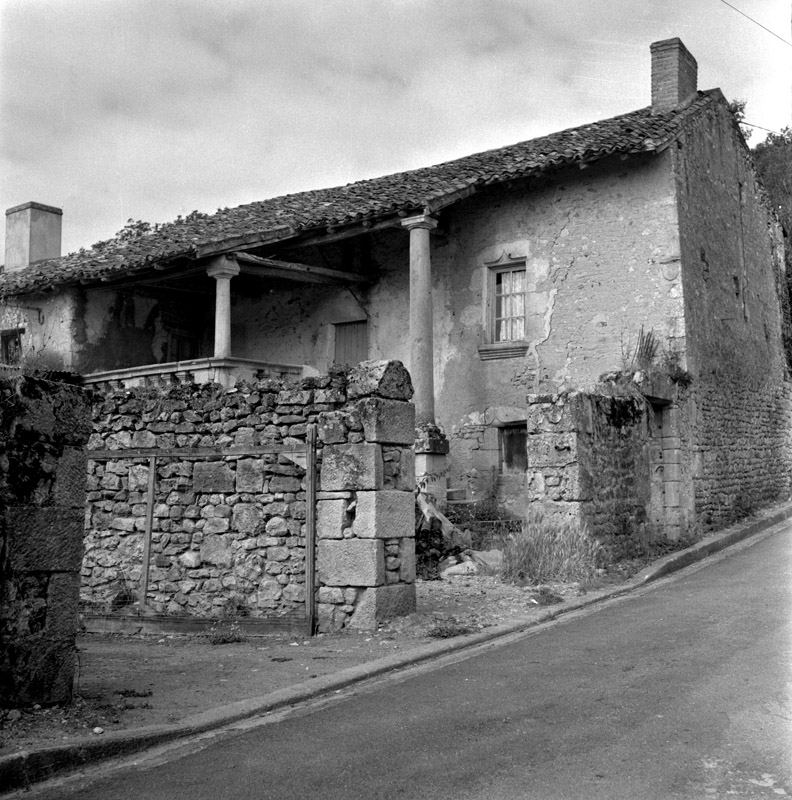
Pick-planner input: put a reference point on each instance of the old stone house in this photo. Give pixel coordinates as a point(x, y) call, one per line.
point(509, 282)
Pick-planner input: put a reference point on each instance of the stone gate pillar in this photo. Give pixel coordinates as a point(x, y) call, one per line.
point(366, 504)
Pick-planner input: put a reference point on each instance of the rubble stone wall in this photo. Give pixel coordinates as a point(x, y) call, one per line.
point(588, 459)
point(228, 534)
point(43, 430)
point(741, 448)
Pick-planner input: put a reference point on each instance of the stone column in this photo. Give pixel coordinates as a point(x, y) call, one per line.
point(431, 445)
point(421, 322)
point(222, 270)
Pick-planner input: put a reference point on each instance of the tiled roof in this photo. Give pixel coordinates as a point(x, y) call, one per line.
point(369, 200)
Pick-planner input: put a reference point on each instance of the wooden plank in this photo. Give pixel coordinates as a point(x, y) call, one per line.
point(310, 531)
point(144, 573)
point(272, 268)
point(195, 452)
point(166, 623)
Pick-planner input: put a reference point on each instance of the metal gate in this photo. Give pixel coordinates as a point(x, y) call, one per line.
point(146, 620)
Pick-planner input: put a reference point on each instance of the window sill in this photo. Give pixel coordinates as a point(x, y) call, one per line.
point(490, 352)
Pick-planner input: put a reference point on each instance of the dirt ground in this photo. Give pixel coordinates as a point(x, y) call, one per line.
point(128, 682)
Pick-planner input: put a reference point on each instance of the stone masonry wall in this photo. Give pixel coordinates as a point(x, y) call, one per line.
point(43, 430)
point(588, 459)
point(739, 418)
point(228, 534)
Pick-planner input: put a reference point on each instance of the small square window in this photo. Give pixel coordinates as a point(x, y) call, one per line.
point(11, 346)
point(513, 440)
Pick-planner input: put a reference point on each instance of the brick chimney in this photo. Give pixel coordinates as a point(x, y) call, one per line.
point(33, 233)
point(674, 75)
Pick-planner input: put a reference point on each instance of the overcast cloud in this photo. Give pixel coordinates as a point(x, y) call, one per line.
point(147, 109)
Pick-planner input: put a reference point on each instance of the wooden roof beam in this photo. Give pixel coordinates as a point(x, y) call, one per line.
point(288, 270)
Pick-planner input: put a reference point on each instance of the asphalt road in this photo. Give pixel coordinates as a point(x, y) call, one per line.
point(680, 691)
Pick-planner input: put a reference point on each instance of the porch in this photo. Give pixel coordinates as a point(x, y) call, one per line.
point(226, 371)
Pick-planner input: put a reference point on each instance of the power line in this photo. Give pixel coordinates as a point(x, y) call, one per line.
point(752, 125)
point(772, 33)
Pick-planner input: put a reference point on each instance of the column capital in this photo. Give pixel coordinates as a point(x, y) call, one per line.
point(420, 221)
point(223, 267)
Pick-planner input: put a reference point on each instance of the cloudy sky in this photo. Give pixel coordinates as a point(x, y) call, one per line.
point(146, 109)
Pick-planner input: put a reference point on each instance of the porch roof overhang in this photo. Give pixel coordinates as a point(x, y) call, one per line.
point(265, 228)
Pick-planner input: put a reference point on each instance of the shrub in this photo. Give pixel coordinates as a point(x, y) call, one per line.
point(549, 549)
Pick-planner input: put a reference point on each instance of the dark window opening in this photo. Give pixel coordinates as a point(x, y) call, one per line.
point(11, 346)
point(182, 346)
point(514, 448)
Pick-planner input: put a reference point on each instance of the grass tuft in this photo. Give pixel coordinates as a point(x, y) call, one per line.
point(549, 549)
point(224, 632)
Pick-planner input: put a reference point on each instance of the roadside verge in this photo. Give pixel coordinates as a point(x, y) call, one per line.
point(25, 768)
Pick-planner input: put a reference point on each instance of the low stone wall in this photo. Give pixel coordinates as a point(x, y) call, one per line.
point(588, 459)
point(43, 430)
point(228, 534)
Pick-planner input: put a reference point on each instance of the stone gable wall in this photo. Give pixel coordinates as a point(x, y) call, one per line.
point(228, 534)
point(739, 418)
point(43, 430)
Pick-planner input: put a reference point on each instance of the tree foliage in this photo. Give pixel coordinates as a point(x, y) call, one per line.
point(773, 159)
point(737, 107)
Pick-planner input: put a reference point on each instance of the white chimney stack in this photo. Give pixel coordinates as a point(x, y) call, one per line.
point(33, 233)
point(674, 75)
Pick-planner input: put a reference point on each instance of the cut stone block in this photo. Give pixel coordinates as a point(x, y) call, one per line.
point(213, 476)
point(351, 466)
point(382, 378)
point(250, 475)
point(407, 560)
point(351, 562)
point(384, 515)
point(381, 603)
point(389, 421)
point(331, 518)
point(404, 480)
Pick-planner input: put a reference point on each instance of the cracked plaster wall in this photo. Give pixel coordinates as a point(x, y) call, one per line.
point(48, 323)
point(294, 326)
point(602, 255)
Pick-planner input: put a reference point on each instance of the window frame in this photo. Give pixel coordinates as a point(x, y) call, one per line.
point(509, 348)
point(7, 336)
point(504, 431)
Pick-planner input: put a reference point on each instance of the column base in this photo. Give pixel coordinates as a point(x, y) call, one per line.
point(431, 463)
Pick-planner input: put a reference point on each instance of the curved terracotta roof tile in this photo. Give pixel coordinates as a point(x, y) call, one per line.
point(373, 199)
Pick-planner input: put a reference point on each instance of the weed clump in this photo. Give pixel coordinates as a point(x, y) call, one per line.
point(226, 632)
point(448, 630)
point(549, 549)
